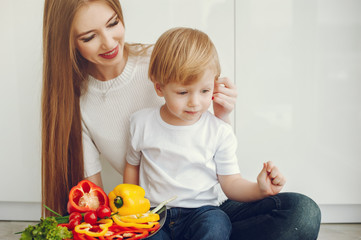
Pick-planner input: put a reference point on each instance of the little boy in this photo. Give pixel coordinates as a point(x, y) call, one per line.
point(181, 149)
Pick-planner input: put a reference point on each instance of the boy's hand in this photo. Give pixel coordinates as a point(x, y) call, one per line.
point(224, 98)
point(270, 180)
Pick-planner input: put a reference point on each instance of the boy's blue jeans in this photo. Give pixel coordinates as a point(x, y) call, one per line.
point(283, 216)
point(207, 222)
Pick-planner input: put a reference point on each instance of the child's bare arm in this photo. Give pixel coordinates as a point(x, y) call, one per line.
point(131, 174)
point(269, 182)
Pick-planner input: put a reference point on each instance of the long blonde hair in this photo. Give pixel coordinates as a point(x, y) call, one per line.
point(64, 79)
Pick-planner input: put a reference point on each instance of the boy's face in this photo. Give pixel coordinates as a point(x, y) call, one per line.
point(186, 103)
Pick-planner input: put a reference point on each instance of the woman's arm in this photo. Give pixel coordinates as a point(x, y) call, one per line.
point(96, 179)
point(131, 174)
point(225, 96)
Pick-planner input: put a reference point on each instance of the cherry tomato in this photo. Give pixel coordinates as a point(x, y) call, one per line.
point(103, 211)
point(73, 223)
point(76, 216)
point(90, 217)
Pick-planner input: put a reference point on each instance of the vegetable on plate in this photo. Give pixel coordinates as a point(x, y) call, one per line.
point(86, 197)
point(47, 229)
point(128, 199)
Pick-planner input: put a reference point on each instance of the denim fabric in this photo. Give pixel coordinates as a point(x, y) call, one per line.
point(284, 216)
point(208, 222)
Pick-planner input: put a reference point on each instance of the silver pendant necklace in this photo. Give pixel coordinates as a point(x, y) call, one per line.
point(104, 94)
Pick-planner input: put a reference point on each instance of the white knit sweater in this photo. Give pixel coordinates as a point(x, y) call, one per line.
point(106, 107)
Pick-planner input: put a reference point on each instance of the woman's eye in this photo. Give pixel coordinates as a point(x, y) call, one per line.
point(205, 91)
point(116, 21)
point(87, 39)
point(182, 93)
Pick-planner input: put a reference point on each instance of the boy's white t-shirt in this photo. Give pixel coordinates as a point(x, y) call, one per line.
point(181, 161)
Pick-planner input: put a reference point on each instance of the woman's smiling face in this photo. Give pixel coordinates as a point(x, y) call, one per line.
point(99, 34)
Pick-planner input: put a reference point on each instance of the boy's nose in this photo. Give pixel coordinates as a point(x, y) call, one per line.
point(193, 100)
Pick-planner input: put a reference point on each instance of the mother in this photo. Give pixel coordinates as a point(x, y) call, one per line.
point(92, 82)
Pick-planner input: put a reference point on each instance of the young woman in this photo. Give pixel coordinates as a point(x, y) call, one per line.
point(93, 82)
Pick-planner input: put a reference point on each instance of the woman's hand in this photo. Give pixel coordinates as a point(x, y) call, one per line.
point(270, 180)
point(224, 98)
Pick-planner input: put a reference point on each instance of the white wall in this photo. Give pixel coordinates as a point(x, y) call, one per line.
point(296, 66)
point(298, 76)
point(20, 77)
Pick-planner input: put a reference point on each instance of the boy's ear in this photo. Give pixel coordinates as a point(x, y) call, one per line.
point(159, 89)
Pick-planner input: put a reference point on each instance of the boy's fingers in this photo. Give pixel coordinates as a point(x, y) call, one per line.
point(263, 174)
point(279, 180)
point(270, 166)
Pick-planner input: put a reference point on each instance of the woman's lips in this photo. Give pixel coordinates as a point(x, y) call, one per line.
point(111, 54)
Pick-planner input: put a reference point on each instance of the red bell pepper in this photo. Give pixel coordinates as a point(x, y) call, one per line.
point(85, 197)
point(78, 236)
point(90, 238)
point(82, 236)
point(153, 229)
point(139, 235)
point(129, 235)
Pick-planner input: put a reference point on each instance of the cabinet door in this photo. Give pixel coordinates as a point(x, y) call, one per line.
point(20, 77)
point(21, 73)
point(299, 105)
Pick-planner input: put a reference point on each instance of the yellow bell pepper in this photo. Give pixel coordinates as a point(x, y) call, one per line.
point(119, 222)
point(140, 218)
point(85, 228)
point(128, 199)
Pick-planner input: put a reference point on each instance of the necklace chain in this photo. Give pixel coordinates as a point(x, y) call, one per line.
point(104, 94)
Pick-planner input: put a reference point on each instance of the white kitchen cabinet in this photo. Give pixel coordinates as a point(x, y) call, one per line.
point(20, 77)
point(299, 105)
